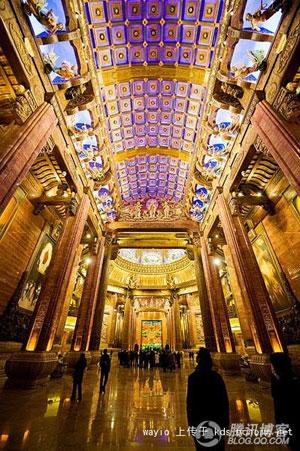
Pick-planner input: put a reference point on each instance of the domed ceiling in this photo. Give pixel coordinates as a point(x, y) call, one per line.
point(152, 256)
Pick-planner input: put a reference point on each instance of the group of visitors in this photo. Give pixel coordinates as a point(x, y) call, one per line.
point(207, 399)
point(78, 373)
point(150, 358)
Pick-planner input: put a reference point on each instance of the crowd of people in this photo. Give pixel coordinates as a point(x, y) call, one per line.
point(207, 397)
point(151, 358)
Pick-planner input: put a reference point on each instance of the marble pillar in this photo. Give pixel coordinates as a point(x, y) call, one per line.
point(20, 149)
point(221, 323)
point(177, 321)
point(57, 345)
point(171, 328)
point(112, 331)
point(47, 314)
point(264, 326)
point(95, 336)
point(28, 368)
point(192, 329)
point(126, 323)
point(83, 328)
point(133, 329)
point(275, 133)
point(208, 328)
point(225, 358)
point(242, 309)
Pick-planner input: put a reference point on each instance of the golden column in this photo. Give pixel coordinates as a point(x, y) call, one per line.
point(63, 317)
point(265, 329)
point(133, 328)
point(226, 358)
point(83, 328)
point(95, 336)
point(223, 333)
point(208, 328)
point(112, 331)
point(192, 328)
point(126, 321)
point(28, 368)
point(177, 322)
point(52, 297)
point(243, 312)
point(171, 339)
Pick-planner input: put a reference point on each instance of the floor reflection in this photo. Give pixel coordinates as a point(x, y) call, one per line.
point(135, 400)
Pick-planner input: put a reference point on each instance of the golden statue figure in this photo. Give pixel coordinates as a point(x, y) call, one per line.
point(257, 58)
point(264, 13)
point(66, 70)
point(46, 17)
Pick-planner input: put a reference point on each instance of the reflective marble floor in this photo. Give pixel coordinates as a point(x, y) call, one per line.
point(44, 419)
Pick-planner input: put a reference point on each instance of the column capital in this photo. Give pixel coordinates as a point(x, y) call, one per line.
point(197, 238)
point(20, 149)
point(279, 138)
point(235, 207)
point(260, 146)
point(212, 248)
point(109, 238)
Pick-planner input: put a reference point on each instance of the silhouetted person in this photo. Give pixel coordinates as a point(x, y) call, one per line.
point(78, 376)
point(207, 398)
point(178, 358)
point(152, 359)
point(105, 369)
point(286, 395)
point(164, 360)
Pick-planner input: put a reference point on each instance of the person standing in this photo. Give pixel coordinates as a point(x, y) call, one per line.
point(285, 389)
point(105, 369)
point(80, 366)
point(207, 404)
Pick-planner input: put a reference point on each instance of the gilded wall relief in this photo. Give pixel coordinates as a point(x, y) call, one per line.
point(279, 292)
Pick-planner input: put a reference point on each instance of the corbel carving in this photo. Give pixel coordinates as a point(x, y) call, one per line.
point(201, 179)
point(287, 103)
point(235, 207)
point(18, 108)
point(109, 239)
point(70, 203)
point(190, 253)
point(114, 252)
point(49, 146)
point(249, 194)
point(260, 146)
point(211, 247)
point(197, 239)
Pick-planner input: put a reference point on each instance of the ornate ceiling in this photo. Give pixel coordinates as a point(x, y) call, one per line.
point(153, 59)
point(154, 94)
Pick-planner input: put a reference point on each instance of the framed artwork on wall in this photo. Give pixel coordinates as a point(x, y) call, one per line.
point(151, 333)
point(278, 288)
point(36, 274)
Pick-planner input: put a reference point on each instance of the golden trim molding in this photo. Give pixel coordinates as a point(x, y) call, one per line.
point(185, 156)
point(152, 269)
point(180, 73)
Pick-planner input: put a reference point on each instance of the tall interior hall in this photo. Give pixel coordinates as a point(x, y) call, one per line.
point(149, 196)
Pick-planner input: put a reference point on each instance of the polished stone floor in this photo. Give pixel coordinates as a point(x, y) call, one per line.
point(44, 419)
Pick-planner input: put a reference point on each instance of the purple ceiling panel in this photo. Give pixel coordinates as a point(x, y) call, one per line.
point(155, 31)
